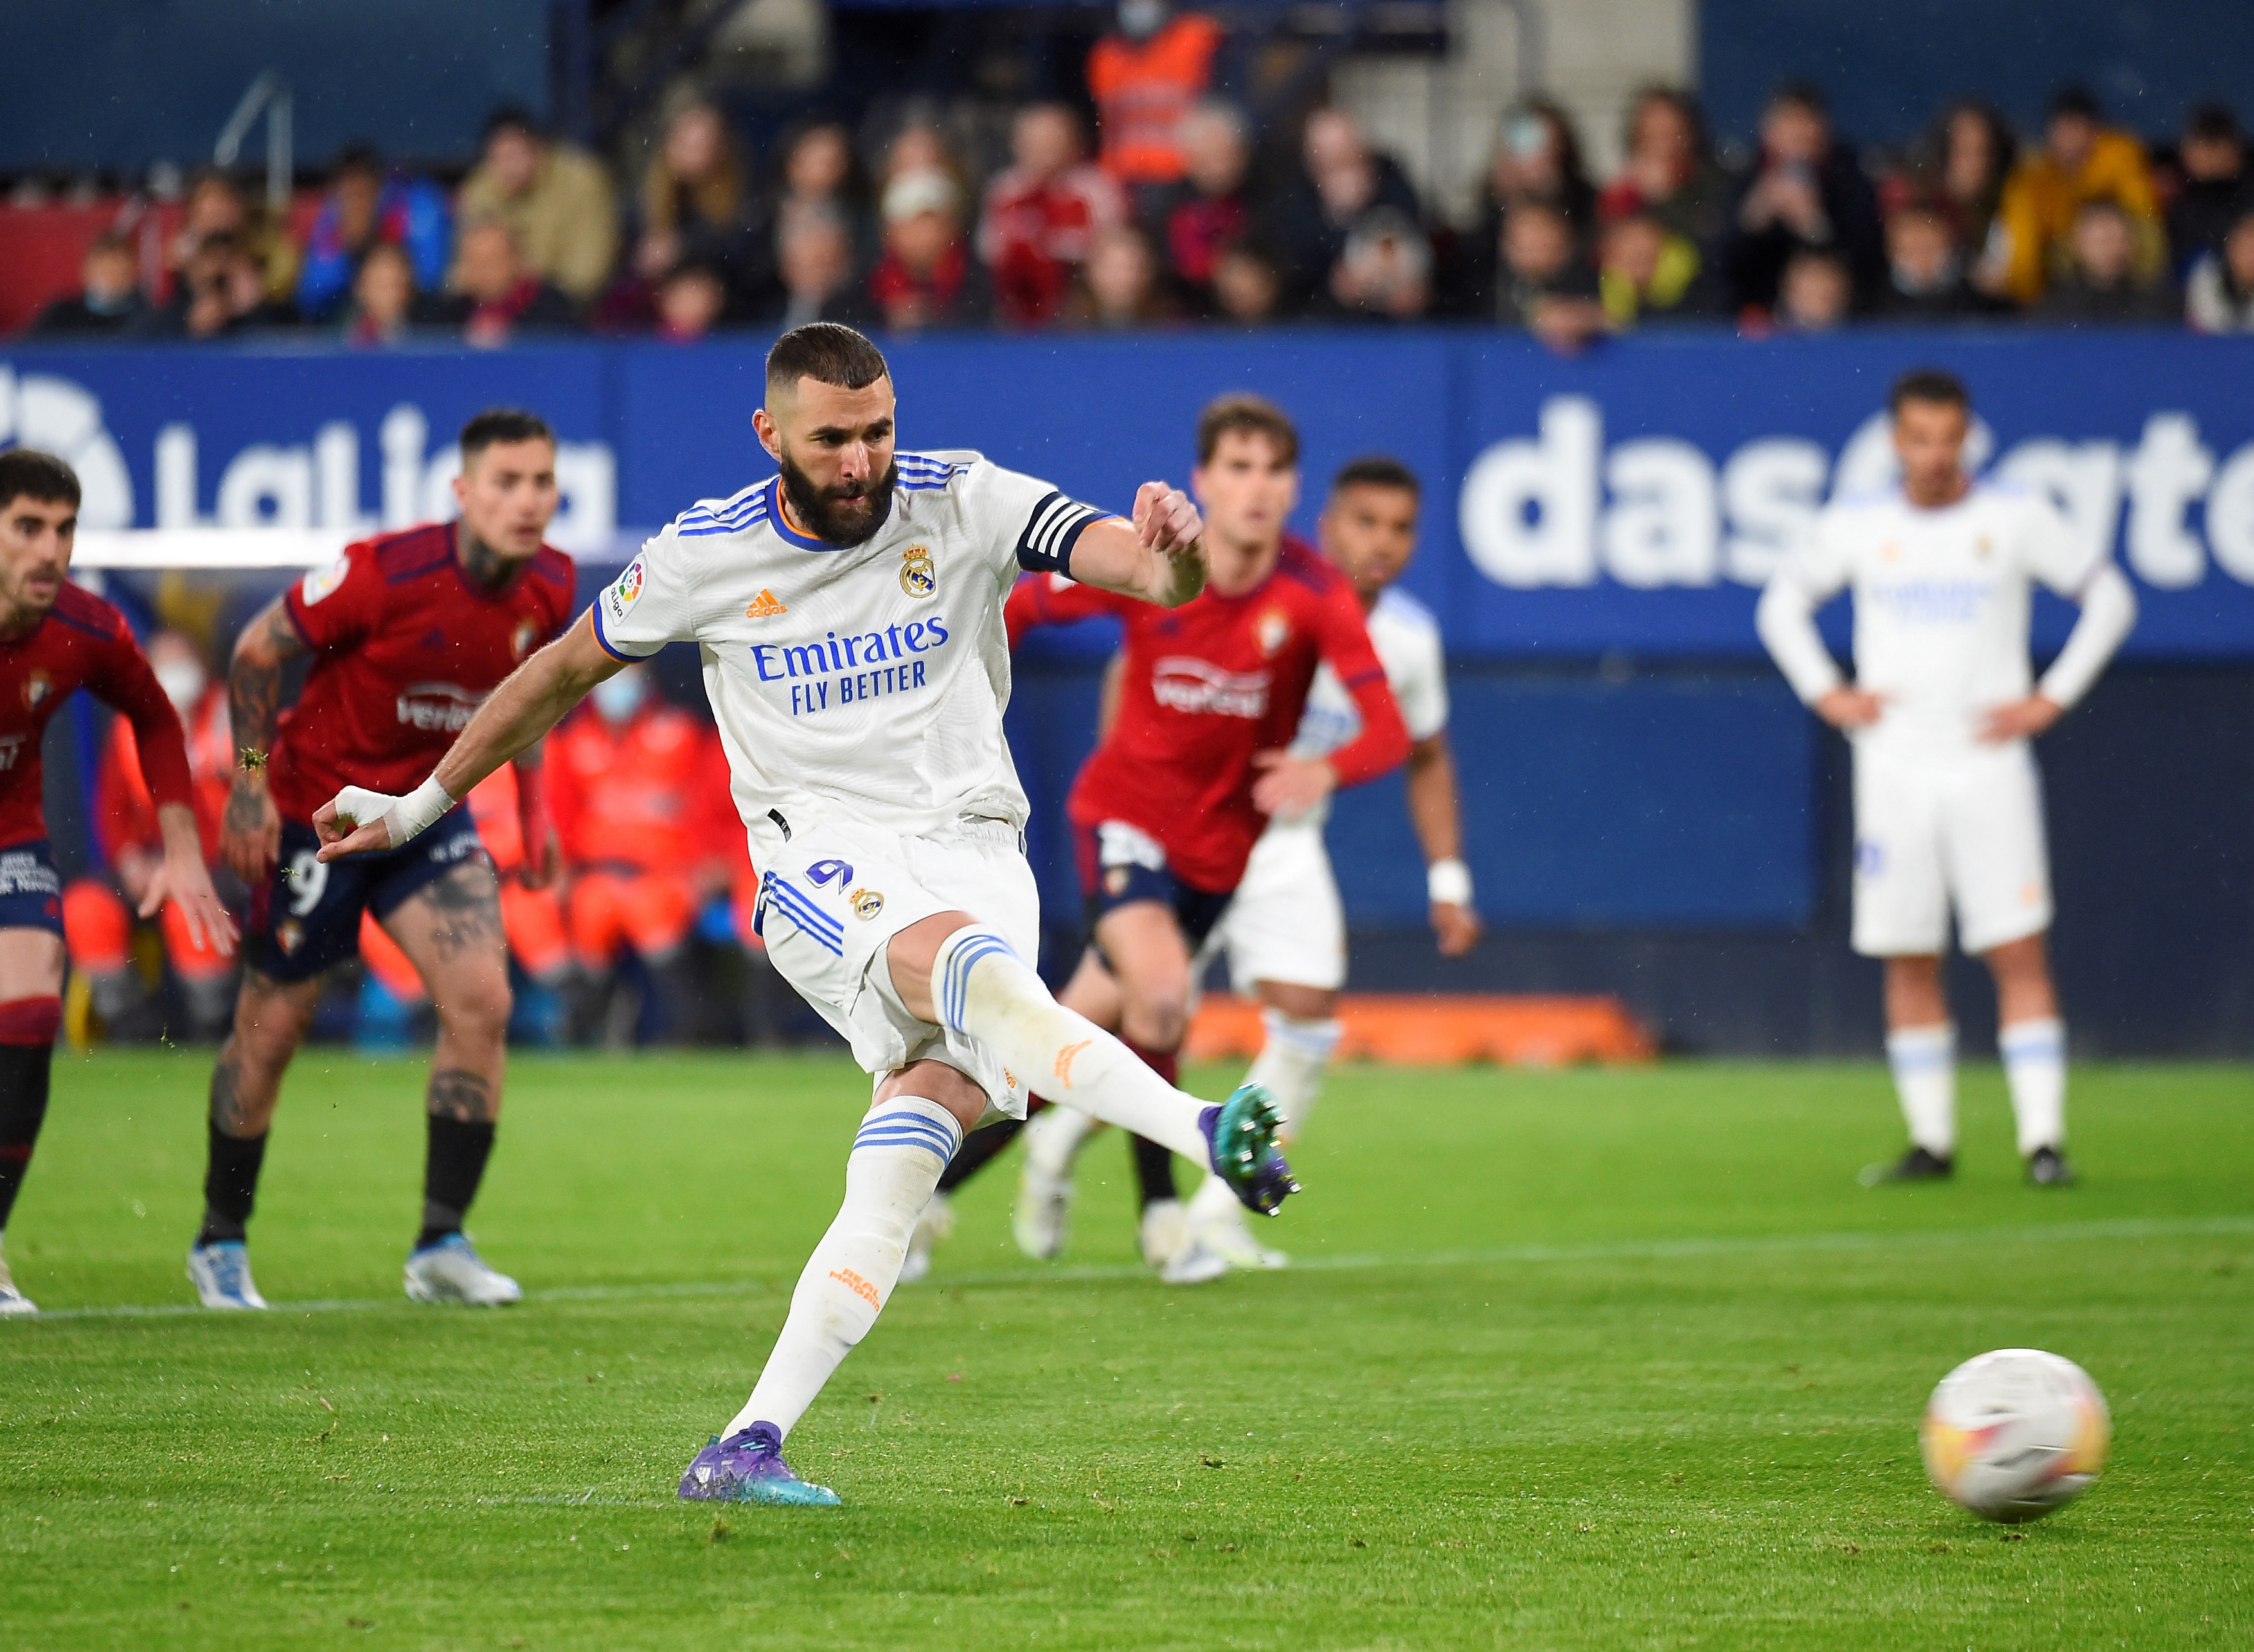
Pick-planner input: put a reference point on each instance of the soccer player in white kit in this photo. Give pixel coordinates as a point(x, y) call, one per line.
point(850, 616)
point(1948, 801)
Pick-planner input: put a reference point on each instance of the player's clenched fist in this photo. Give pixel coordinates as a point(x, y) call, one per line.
point(359, 822)
point(1166, 520)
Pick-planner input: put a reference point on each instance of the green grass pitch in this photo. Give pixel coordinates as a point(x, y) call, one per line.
point(1615, 1358)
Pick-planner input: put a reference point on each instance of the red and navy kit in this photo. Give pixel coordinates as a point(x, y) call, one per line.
point(406, 648)
point(1204, 687)
point(81, 642)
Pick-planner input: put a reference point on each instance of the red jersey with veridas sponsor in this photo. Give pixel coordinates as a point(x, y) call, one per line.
point(406, 648)
point(1204, 687)
point(82, 643)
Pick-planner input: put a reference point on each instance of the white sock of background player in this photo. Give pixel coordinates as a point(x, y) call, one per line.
point(902, 1146)
point(1294, 1055)
point(1924, 1063)
point(984, 990)
point(2034, 1068)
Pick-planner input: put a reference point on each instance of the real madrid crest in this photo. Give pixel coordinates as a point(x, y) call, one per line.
point(866, 903)
point(918, 577)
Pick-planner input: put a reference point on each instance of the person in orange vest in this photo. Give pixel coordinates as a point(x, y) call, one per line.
point(531, 917)
point(634, 783)
point(1145, 79)
point(97, 921)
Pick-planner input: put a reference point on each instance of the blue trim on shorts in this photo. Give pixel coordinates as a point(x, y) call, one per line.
point(31, 889)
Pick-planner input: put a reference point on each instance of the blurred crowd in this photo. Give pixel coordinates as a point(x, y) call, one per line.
point(1157, 202)
point(646, 934)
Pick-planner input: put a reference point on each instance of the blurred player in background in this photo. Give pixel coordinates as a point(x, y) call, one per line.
point(849, 611)
point(409, 632)
point(98, 912)
point(1166, 811)
point(1940, 713)
point(55, 640)
point(640, 792)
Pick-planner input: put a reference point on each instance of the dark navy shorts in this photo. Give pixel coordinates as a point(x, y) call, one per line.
point(1119, 864)
point(307, 917)
point(30, 893)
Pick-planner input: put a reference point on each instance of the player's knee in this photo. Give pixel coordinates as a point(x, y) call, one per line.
point(270, 1022)
point(476, 1009)
point(1157, 1021)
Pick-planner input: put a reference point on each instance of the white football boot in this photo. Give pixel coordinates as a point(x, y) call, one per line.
point(1218, 1220)
point(1171, 1246)
point(220, 1273)
point(932, 1228)
point(12, 1301)
point(451, 1271)
point(1044, 1209)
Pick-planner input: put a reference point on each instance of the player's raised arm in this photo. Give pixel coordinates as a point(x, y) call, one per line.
point(517, 715)
point(1159, 557)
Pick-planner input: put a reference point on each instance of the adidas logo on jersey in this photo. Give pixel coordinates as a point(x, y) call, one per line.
point(765, 605)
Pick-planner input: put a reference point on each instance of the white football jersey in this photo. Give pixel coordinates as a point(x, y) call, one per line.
point(1407, 639)
point(1941, 602)
point(860, 684)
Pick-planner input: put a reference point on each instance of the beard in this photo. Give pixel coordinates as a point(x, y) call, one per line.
point(845, 514)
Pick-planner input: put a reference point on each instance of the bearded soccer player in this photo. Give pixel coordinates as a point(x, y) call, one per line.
point(1941, 714)
point(850, 613)
point(408, 632)
point(1199, 761)
point(55, 638)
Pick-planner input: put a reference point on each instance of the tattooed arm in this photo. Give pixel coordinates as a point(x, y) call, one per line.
point(250, 833)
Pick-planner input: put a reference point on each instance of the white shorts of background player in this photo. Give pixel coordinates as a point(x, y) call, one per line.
point(1285, 923)
point(834, 897)
point(1958, 827)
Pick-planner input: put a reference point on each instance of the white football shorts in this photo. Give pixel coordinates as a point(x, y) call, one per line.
point(837, 894)
point(1285, 922)
point(1933, 831)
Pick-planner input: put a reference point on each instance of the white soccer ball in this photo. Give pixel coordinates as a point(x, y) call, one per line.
point(2015, 1434)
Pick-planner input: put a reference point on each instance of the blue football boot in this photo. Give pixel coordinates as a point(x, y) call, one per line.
point(1241, 1137)
point(747, 1467)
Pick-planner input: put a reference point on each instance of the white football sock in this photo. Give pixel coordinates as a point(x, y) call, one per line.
point(2034, 1068)
point(1924, 1062)
point(1293, 1057)
point(1054, 1138)
point(984, 991)
point(902, 1146)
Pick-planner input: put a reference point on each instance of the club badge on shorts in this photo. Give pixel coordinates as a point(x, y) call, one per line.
point(918, 577)
point(866, 904)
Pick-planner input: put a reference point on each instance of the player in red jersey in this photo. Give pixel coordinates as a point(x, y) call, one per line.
point(55, 638)
point(408, 632)
point(1165, 812)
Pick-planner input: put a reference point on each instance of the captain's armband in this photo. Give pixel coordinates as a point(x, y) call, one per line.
point(1055, 529)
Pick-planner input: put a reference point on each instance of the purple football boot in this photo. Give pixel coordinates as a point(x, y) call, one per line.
point(747, 1467)
point(1241, 1134)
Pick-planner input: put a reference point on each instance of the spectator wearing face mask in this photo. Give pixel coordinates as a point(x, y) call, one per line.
point(1043, 216)
point(1647, 273)
point(108, 300)
point(637, 787)
point(1816, 293)
point(1669, 173)
point(497, 297)
point(2082, 160)
point(2220, 296)
point(2104, 282)
point(2216, 189)
point(98, 912)
point(364, 209)
point(1544, 285)
point(1145, 77)
point(1804, 191)
point(1925, 271)
point(1384, 273)
point(1342, 180)
point(555, 200)
point(926, 277)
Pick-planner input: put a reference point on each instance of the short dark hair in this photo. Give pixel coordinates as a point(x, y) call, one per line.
point(1806, 93)
point(1929, 384)
point(828, 352)
point(1377, 470)
point(25, 472)
point(2078, 100)
point(2212, 123)
point(358, 155)
point(503, 424)
point(510, 118)
point(1253, 414)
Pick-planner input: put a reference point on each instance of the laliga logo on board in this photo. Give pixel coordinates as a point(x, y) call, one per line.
point(63, 418)
point(1562, 509)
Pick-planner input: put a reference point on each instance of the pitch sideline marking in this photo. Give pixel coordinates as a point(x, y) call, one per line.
point(1628, 1250)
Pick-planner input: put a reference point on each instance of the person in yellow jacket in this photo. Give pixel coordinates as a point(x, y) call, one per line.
point(556, 200)
point(2081, 160)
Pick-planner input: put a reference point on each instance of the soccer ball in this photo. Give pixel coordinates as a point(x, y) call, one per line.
point(2015, 1434)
